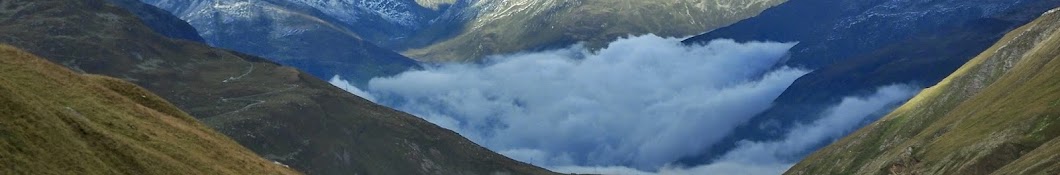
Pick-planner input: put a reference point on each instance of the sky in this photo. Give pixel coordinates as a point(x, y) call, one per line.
point(631, 108)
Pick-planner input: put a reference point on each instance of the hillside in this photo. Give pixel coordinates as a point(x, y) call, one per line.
point(278, 112)
point(855, 47)
point(55, 121)
point(995, 115)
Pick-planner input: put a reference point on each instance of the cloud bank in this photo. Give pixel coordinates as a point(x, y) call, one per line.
point(835, 122)
point(641, 102)
point(775, 157)
point(346, 85)
point(631, 108)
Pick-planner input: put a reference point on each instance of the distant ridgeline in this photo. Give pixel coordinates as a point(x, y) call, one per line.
point(360, 39)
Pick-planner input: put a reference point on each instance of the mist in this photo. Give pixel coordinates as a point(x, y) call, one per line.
point(775, 157)
point(642, 102)
point(634, 107)
point(338, 81)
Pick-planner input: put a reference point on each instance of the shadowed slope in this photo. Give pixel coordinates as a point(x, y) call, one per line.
point(995, 115)
point(278, 112)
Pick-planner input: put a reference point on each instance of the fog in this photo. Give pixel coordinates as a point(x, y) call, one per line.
point(634, 107)
point(774, 157)
point(642, 102)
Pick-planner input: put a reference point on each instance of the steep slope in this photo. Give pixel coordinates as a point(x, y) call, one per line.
point(291, 33)
point(278, 112)
point(995, 115)
point(856, 46)
point(55, 121)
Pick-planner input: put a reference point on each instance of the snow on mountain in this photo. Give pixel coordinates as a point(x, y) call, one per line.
point(349, 11)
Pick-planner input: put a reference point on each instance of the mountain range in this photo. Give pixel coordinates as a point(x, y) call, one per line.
point(510, 26)
point(347, 37)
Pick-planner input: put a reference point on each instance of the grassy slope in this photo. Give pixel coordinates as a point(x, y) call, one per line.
point(560, 23)
point(996, 114)
point(278, 112)
point(54, 121)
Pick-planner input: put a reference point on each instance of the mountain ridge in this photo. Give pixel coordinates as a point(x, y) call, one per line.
point(505, 27)
point(160, 20)
point(468, 30)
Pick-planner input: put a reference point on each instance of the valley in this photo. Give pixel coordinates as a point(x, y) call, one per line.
point(528, 87)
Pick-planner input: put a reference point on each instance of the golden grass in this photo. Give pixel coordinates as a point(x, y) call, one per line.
point(54, 121)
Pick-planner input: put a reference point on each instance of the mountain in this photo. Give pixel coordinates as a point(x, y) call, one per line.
point(995, 115)
point(55, 121)
point(292, 33)
point(384, 22)
point(278, 112)
point(160, 20)
point(856, 46)
point(509, 26)
point(392, 23)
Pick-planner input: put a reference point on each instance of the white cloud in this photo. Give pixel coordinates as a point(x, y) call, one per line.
point(643, 101)
point(775, 157)
point(632, 108)
point(346, 85)
point(835, 122)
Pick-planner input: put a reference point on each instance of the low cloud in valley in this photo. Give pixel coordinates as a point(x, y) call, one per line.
point(631, 108)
